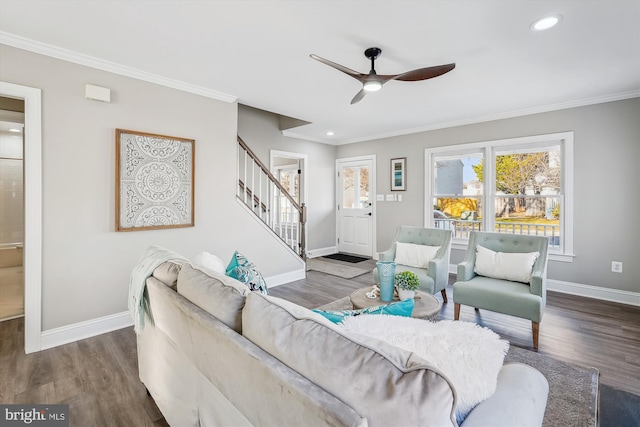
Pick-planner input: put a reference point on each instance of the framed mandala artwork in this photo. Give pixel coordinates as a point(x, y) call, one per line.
point(154, 181)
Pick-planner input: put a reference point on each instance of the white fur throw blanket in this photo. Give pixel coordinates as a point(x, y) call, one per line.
point(470, 356)
point(152, 258)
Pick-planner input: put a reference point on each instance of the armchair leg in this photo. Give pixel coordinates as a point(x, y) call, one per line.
point(444, 295)
point(535, 328)
point(456, 311)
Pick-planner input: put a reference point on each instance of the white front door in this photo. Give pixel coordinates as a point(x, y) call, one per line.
point(356, 195)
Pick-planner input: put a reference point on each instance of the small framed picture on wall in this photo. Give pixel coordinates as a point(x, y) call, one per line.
point(399, 174)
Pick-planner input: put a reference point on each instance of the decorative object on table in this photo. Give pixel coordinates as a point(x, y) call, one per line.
point(386, 272)
point(426, 306)
point(154, 181)
point(406, 282)
point(398, 174)
point(373, 293)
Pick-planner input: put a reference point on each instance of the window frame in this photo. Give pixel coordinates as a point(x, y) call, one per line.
point(519, 144)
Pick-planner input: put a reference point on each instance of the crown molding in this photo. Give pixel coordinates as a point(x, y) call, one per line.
point(506, 115)
point(112, 67)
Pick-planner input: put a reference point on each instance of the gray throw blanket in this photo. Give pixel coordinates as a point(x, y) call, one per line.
point(152, 258)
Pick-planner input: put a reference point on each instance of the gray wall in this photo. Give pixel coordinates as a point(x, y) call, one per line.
point(606, 199)
point(260, 130)
point(86, 264)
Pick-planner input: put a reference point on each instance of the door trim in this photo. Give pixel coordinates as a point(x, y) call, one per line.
point(32, 210)
point(372, 183)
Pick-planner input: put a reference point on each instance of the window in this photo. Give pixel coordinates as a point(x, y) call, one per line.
point(516, 186)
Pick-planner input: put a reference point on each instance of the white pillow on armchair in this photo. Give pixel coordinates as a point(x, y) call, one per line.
point(516, 267)
point(415, 255)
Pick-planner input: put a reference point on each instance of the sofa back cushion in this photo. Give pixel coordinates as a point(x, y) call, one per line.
point(385, 384)
point(167, 273)
point(219, 295)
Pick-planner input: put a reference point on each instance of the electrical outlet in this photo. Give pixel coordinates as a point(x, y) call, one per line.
point(616, 266)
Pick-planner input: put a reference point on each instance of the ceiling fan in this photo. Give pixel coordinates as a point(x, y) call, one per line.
point(373, 81)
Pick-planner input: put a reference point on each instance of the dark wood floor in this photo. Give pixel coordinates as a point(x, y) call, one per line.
point(98, 377)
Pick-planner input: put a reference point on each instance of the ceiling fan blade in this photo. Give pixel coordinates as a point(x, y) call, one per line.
point(424, 73)
point(339, 67)
point(358, 97)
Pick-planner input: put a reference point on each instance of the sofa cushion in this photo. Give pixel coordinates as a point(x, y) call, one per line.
point(243, 270)
point(167, 273)
point(415, 255)
point(516, 267)
point(221, 296)
point(380, 377)
point(400, 308)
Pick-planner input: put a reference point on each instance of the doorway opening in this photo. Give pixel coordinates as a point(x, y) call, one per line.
point(11, 208)
point(290, 170)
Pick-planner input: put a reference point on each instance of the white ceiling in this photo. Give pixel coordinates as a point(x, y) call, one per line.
point(258, 53)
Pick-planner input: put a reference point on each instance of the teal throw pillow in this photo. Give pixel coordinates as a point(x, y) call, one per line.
point(243, 270)
point(401, 308)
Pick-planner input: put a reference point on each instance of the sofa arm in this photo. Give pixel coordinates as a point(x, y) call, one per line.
point(465, 271)
point(537, 285)
point(388, 255)
point(520, 400)
point(439, 271)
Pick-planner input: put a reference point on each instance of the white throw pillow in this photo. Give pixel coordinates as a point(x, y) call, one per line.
point(516, 267)
point(415, 255)
point(212, 262)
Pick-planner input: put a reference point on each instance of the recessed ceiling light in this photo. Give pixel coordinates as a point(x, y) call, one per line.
point(329, 133)
point(545, 23)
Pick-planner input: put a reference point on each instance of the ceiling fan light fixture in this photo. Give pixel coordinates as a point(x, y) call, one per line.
point(545, 23)
point(372, 86)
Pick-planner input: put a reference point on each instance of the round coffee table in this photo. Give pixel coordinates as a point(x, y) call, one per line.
point(426, 306)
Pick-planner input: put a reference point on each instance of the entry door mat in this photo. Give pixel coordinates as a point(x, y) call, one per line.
point(335, 269)
point(346, 258)
point(618, 408)
point(573, 389)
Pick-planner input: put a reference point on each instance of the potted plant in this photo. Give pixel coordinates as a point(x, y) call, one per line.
point(407, 283)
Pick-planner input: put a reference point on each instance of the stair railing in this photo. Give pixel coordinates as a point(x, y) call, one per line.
point(265, 196)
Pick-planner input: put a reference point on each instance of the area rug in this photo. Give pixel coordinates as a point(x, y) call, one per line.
point(573, 389)
point(346, 258)
point(334, 268)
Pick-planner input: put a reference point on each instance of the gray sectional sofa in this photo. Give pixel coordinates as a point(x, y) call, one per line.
point(212, 353)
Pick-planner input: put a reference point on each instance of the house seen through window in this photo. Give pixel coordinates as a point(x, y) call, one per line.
point(516, 186)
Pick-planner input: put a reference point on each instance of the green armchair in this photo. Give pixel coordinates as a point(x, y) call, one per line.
point(435, 277)
point(491, 290)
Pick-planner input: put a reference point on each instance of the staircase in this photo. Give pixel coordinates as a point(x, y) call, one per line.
point(269, 201)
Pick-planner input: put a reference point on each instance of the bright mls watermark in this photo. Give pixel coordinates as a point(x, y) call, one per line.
point(34, 415)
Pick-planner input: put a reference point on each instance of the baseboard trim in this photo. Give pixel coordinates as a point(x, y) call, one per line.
point(79, 331)
point(315, 253)
point(587, 291)
point(596, 292)
point(281, 279)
